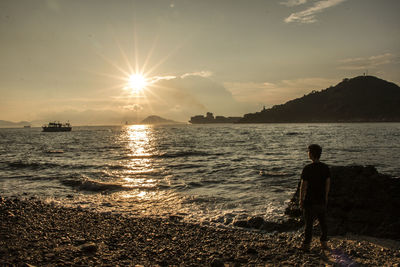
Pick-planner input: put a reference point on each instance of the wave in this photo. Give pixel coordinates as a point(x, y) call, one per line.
point(94, 186)
point(31, 165)
point(194, 184)
point(54, 152)
point(274, 174)
point(177, 154)
point(117, 167)
point(185, 154)
point(19, 164)
point(293, 133)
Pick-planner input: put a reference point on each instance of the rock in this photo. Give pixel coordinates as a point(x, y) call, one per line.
point(241, 223)
point(216, 263)
point(255, 222)
point(80, 241)
point(361, 201)
point(88, 247)
point(251, 251)
point(175, 218)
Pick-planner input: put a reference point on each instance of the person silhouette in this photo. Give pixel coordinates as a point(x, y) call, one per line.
point(314, 190)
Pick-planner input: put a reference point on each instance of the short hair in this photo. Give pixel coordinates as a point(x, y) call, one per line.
point(315, 150)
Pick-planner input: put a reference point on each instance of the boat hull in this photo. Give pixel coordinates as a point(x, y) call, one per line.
point(57, 129)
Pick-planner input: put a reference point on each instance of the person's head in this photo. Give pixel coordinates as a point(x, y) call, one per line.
point(314, 152)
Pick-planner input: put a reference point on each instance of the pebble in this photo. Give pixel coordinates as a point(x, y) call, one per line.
point(217, 263)
point(64, 237)
point(88, 247)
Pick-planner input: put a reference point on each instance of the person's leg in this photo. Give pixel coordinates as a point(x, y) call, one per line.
point(309, 218)
point(321, 215)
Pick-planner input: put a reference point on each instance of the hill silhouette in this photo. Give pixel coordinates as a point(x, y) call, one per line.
point(153, 119)
point(360, 99)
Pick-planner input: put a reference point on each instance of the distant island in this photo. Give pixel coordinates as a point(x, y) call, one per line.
point(209, 118)
point(5, 124)
point(360, 99)
point(156, 120)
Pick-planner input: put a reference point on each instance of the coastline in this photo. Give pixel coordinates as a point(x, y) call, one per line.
point(37, 233)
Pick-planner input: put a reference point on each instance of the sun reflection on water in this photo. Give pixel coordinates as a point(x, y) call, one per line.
point(139, 165)
point(143, 185)
point(138, 140)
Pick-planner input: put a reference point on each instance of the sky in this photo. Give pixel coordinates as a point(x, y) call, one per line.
point(74, 59)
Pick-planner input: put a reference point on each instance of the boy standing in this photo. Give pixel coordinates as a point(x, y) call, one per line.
point(314, 189)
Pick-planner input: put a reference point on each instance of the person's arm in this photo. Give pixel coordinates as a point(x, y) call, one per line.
point(303, 190)
point(327, 187)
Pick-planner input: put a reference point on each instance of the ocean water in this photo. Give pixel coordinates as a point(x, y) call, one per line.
point(205, 173)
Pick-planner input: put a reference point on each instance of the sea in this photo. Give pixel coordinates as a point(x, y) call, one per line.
point(210, 174)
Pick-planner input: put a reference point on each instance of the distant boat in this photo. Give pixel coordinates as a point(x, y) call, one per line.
point(57, 127)
point(27, 126)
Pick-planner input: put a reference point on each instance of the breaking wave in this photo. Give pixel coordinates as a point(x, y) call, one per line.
point(94, 186)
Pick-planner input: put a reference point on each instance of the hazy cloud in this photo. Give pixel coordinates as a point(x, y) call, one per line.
point(291, 3)
point(83, 117)
point(155, 79)
point(269, 94)
point(195, 94)
point(308, 15)
point(203, 73)
point(134, 107)
point(365, 63)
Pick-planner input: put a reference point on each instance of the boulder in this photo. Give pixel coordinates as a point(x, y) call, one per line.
point(361, 201)
point(259, 223)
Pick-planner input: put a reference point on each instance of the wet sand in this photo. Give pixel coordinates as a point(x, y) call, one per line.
point(41, 234)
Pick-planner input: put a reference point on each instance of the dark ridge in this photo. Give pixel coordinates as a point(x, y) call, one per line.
point(360, 99)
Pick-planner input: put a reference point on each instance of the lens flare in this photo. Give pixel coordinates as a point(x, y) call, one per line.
point(136, 82)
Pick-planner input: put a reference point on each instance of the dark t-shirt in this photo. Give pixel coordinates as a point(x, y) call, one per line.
point(316, 175)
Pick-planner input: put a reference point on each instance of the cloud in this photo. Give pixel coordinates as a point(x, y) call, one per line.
point(269, 94)
point(308, 15)
point(365, 63)
point(176, 97)
point(155, 79)
point(194, 94)
point(133, 107)
point(291, 3)
point(203, 73)
point(83, 117)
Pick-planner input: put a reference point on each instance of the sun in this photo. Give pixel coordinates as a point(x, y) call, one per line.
point(137, 82)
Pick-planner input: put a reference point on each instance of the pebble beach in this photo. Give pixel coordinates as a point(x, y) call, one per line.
point(35, 233)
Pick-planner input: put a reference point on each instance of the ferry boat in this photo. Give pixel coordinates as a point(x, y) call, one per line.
point(57, 127)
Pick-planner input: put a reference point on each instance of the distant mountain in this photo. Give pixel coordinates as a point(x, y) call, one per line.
point(360, 99)
point(157, 120)
point(13, 124)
